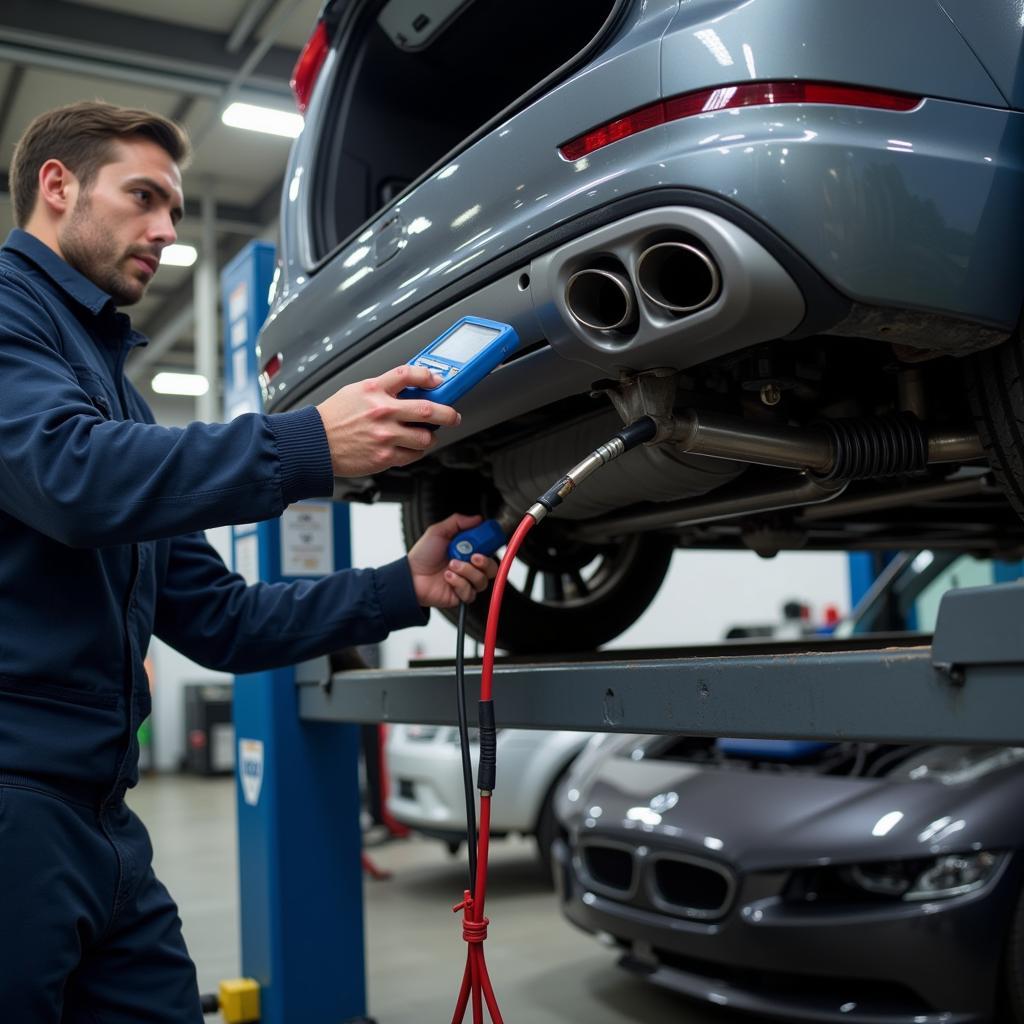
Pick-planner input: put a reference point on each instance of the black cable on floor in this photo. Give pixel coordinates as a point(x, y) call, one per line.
point(467, 765)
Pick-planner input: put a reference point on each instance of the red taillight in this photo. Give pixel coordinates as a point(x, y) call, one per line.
point(308, 66)
point(726, 97)
point(270, 368)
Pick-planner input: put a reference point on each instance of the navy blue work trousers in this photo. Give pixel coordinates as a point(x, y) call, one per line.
point(88, 935)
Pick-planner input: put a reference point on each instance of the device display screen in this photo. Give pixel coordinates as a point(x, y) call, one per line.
point(461, 345)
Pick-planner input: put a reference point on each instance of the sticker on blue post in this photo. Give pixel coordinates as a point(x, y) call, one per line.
point(250, 769)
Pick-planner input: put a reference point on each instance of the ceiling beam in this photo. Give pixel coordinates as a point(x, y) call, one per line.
point(247, 23)
point(114, 45)
point(10, 95)
point(182, 109)
point(234, 90)
point(232, 218)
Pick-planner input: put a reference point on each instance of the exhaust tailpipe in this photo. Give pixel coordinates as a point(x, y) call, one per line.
point(678, 277)
point(601, 299)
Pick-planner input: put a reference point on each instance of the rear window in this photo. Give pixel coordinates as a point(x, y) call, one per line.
point(398, 110)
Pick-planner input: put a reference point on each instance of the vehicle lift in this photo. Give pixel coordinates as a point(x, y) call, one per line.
point(299, 844)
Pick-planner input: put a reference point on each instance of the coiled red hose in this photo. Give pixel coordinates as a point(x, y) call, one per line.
point(476, 984)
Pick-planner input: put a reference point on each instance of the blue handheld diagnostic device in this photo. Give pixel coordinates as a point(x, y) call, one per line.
point(462, 357)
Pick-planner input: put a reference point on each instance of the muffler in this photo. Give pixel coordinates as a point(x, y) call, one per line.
point(828, 455)
point(658, 473)
point(678, 277)
point(840, 449)
point(602, 300)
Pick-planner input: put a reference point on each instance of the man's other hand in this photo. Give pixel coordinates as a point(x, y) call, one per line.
point(369, 429)
point(440, 581)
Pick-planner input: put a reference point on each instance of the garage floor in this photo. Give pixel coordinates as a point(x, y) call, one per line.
point(545, 972)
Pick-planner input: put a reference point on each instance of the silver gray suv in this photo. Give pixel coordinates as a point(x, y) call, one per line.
point(789, 230)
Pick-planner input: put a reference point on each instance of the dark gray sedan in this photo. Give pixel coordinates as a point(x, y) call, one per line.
point(851, 882)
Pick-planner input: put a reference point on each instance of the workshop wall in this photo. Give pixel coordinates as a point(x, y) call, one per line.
point(697, 603)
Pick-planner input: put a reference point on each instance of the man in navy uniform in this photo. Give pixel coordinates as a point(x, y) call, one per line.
point(102, 515)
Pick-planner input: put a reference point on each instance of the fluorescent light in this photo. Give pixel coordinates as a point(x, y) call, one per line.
point(191, 384)
point(263, 119)
point(178, 255)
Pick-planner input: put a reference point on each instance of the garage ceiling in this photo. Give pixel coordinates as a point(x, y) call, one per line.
point(181, 58)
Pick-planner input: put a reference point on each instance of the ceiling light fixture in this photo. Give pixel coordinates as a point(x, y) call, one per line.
point(191, 385)
point(178, 255)
point(263, 119)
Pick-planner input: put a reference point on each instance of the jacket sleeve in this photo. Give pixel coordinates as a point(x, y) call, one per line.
point(89, 481)
point(213, 617)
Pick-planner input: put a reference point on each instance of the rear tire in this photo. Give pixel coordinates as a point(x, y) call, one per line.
point(1010, 997)
point(995, 388)
point(589, 594)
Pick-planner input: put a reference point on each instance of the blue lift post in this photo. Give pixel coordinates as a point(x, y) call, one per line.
point(299, 839)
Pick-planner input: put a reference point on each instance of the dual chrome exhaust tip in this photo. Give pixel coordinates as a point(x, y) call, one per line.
point(676, 278)
point(602, 300)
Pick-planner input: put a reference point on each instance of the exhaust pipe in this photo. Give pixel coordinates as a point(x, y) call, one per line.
point(839, 449)
point(678, 277)
point(792, 491)
point(602, 300)
point(816, 498)
point(829, 456)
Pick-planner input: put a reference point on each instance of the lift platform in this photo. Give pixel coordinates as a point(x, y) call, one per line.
point(298, 797)
point(965, 684)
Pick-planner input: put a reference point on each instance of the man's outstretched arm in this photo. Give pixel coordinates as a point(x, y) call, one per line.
point(213, 617)
point(71, 468)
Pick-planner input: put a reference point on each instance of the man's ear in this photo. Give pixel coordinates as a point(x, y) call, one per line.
point(58, 187)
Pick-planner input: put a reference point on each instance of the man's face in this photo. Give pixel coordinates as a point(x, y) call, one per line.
point(117, 228)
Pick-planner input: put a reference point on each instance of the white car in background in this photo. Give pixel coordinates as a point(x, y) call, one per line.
point(425, 789)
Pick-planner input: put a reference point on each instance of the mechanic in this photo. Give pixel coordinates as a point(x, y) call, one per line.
point(101, 520)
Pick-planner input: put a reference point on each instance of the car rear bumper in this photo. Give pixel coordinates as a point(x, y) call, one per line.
point(911, 964)
point(917, 211)
point(425, 788)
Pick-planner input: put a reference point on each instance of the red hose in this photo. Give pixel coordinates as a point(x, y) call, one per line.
point(494, 610)
point(476, 984)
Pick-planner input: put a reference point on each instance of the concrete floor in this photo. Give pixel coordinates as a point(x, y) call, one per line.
point(544, 970)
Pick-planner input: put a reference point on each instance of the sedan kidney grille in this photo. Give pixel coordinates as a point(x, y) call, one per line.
point(609, 866)
point(697, 889)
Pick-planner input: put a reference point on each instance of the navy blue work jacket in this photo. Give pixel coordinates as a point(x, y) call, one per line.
point(101, 543)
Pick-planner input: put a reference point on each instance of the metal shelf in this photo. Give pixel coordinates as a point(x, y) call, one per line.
point(966, 686)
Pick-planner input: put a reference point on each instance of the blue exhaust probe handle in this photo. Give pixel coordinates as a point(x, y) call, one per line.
point(484, 539)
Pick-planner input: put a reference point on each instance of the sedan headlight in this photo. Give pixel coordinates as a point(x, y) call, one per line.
point(953, 875)
point(937, 878)
point(926, 878)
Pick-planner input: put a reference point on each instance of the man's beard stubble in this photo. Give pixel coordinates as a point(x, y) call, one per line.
point(95, 255)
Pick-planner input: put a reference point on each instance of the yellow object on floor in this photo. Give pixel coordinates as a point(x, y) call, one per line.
point(239, 1000)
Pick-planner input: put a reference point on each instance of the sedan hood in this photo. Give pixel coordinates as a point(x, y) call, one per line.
point(765, 820)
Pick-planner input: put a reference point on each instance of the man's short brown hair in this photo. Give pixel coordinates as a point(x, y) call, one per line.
point(82, 136)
